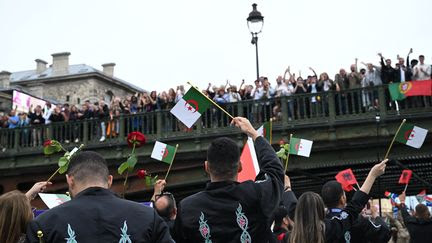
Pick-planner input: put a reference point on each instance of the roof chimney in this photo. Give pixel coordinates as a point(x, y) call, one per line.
point(60, 64)
point(40, 66)
point(108, 69)
point(5, 79)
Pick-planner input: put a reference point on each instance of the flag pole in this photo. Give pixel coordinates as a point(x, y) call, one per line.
point(214, 103)
point(406, 186)
point(169, 168)
point(394, 137)
point(271, 130)
point(55, 173)
point(286, 162)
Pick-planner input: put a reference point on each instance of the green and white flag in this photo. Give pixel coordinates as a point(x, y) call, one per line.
point(163, 152)
point(266, 131)
point(53, 200)
point(190, 107)
point(411, 135)
point(299, 146)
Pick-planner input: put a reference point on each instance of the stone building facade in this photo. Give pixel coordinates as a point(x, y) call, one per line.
point(66, 83)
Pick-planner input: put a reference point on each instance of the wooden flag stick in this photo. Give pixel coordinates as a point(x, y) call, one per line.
point(286, 162)
point(394, 137)
point(214, 103)
point(271, 130)
point(55, 173)
point(406, 186)
point(169, 168)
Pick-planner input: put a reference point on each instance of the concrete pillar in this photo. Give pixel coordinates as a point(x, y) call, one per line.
point(40, 66)
point(5, 79)
point(60, 64)
point(108, 69)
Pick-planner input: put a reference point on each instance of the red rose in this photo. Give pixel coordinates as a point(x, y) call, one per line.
point(141, 174)
point(47, 143)
point(136, 138)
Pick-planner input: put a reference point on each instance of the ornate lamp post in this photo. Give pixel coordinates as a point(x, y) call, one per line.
point(255, 23)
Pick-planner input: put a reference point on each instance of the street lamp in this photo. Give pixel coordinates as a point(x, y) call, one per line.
point(255, 23)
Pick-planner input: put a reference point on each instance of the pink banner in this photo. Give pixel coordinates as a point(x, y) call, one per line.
point(23, 102)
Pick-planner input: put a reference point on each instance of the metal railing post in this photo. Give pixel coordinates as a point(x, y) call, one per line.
point(158, 123)
point(382, 101)
point(331, 107)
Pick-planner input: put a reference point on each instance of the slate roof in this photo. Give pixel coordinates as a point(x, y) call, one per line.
point(76, 69)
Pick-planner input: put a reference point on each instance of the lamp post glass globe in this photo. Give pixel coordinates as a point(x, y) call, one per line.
point(255, 20)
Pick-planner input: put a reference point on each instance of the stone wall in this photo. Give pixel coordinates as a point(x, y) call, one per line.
point(78, 90)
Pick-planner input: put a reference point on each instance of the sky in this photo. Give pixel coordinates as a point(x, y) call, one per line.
point(162, 44)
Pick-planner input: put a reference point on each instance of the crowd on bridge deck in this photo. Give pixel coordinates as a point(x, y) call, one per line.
point(262, 90)
point(264, 210)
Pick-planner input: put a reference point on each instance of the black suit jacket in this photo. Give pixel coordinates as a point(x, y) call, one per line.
point(98, 215)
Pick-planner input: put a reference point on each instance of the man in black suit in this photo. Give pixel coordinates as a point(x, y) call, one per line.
point(95, 214)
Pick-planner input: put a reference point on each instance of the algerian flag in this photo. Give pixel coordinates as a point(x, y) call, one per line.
point(53, 200)
point(299, 146)
point(190, 107)
point(163, 152)
point(265, 130)
point(411, 135)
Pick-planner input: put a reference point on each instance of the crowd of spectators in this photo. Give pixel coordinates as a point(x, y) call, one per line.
point(264, 210)
point(261, 92)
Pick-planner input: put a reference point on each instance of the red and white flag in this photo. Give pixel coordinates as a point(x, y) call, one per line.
point(249, 162)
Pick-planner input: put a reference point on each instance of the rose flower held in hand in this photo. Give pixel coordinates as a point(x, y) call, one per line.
point(136, 138)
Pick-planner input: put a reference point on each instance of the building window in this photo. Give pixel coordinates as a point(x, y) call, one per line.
point(67, 98)
point(78, 101)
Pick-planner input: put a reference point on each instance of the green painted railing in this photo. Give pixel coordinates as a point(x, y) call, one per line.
point(318, 109)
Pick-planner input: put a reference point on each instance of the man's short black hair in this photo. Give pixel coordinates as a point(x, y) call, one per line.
point(421, 56)
point(223, 157)
point(88, 166)
point(331, 192)
point(167, 211)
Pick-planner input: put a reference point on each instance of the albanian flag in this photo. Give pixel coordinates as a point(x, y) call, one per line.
point(405, 177)
point(346, 178)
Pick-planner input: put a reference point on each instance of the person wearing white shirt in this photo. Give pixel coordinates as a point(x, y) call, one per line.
point(421, 70)
point(47, 112)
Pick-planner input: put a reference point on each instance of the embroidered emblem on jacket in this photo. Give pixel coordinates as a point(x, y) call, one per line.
point(71, 235)
point(344, 215)
point(242, 222)
point(124, 236)
point(347, 237)
point(204, 229)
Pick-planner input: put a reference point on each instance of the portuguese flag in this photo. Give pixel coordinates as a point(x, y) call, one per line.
point(163, 152)
point(249, 162)
point(299, 146)
point(266, 131)
point(411, 135)
point(190, 107)
point(399, 91)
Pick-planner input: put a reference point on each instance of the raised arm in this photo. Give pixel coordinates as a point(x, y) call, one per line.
point(310, 68)
point(270, 180)
point(381, 59)
point(241, 85)
point(337, 226)
point(375, 172)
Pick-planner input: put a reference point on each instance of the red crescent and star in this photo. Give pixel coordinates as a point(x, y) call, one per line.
point(191, 103)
